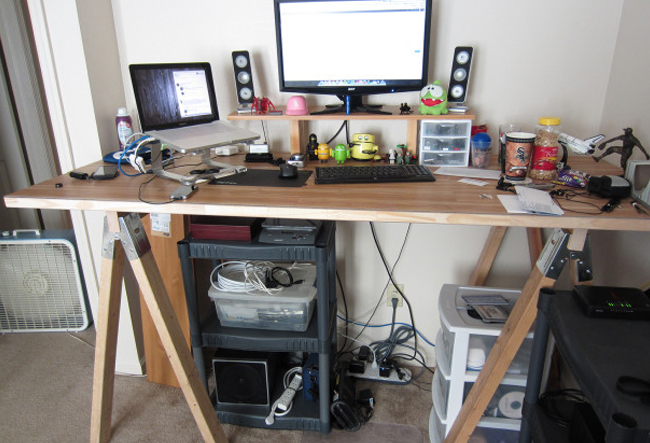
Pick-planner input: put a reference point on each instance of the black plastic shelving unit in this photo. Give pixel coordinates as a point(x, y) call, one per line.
point(320, 337)
point(597, 351)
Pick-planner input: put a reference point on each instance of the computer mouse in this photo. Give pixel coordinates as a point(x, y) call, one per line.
point(288, 171)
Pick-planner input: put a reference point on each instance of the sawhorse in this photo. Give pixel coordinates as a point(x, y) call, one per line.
point(130, 234)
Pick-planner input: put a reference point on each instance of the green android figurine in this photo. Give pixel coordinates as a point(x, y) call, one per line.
point(433, 99)
point(340, 153)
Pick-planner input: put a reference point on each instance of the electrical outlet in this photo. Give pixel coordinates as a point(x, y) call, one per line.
point(392, 292)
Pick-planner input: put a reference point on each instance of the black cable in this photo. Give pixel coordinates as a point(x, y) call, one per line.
point(266, 140)
point(345, 306)
point(343, 125)
point(390, 275)
point(570, 195)
point(399, 256)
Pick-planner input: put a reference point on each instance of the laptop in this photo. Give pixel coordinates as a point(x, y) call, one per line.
point(177, 105)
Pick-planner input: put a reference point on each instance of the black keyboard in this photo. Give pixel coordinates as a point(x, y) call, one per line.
point(372, 174)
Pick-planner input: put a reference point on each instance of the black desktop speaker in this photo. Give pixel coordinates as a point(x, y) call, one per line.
point(243, 77)
point(243, 377)
point(459, 79)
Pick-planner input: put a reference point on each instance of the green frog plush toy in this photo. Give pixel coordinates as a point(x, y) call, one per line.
point(433, 99)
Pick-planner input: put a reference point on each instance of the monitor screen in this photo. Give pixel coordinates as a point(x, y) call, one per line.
point(352, 48)
point(173, 95)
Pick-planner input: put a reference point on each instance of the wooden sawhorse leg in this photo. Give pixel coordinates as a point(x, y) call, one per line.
point(130, 233)
point(558, 250)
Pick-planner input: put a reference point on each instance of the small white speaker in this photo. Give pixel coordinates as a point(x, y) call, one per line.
point(459, 79)
point(243, 78)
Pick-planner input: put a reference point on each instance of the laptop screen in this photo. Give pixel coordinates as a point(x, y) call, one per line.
point(173, 95)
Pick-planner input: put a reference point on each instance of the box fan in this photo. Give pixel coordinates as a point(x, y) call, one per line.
point(41, 284)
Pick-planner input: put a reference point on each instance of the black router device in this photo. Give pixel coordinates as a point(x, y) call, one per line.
point(612, 302)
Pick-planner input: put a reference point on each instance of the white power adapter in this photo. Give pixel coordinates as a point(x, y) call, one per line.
point(226, 150)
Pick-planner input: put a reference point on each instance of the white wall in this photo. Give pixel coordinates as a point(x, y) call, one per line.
point(626, 105)
point(531, 59)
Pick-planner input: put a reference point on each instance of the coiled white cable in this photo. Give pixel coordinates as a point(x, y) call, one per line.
point(246, 277)
point(241, 277)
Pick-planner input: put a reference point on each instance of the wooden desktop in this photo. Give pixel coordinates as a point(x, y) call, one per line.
point(445, 201)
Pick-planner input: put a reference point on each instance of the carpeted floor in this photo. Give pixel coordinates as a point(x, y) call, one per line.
point(46, 393)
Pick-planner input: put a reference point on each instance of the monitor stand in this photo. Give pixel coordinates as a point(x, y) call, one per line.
point(352, 104)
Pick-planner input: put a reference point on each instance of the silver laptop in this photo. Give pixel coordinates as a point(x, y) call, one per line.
point(177, 105)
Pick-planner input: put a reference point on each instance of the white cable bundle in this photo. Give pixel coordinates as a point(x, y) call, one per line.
point(242, 277)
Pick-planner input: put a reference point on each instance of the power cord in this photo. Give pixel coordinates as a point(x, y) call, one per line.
point(399, 256)
point(390, 275)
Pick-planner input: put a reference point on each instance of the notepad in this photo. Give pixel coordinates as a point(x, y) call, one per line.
point(530, 201)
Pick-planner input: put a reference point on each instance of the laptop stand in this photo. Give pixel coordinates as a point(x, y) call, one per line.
point(192, 179)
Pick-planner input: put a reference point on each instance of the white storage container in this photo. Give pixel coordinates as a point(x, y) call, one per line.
point(462, 346)
point(482, 433)
point(288, 310)
point(445, 142)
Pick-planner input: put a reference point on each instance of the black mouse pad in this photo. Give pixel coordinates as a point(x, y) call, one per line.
point(263, 177)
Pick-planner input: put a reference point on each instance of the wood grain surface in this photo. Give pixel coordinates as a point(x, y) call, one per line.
point(445, 201)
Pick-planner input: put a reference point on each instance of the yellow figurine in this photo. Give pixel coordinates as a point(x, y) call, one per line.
point(363, 147)
point(323, 152)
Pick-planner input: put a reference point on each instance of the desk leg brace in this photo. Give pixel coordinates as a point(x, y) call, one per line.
point(136, 245)
point(548, 267)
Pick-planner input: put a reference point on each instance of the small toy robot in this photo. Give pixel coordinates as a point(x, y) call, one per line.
point(312, 146)
point(363, 147)
point(340, 153)
point(323, 152)
point(433, 99)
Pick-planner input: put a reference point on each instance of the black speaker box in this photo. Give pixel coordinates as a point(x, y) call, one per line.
point(459, 79)
point(243, 77)
point(243, 377)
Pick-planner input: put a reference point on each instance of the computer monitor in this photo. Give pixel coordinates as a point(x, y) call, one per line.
point(352, 48)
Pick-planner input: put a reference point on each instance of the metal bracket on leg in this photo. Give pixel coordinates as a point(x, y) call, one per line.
point(581, 263)
point(557, 252)
point(133, 236)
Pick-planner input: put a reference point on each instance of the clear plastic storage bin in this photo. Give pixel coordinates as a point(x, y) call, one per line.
point(288, 310)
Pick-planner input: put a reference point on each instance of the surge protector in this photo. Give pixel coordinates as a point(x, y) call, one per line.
point(287, 396)
point(372, 374)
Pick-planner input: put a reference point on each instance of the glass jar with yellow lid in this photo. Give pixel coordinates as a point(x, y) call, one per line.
point(543, 165)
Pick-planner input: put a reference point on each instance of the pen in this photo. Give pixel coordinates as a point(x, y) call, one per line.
point(638, 208)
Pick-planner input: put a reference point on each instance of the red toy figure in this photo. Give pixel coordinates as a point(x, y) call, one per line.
point(261, 105)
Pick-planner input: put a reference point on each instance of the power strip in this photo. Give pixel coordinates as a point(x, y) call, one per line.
point(371, 373)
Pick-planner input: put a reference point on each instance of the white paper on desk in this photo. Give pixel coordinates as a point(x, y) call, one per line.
point(512, 204)
point(470, 172)
point(537, 201)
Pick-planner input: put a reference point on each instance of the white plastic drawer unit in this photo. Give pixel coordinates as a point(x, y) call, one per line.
point(445, 142)
point(466, 341)
point(462, 347)
point(503, 411)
